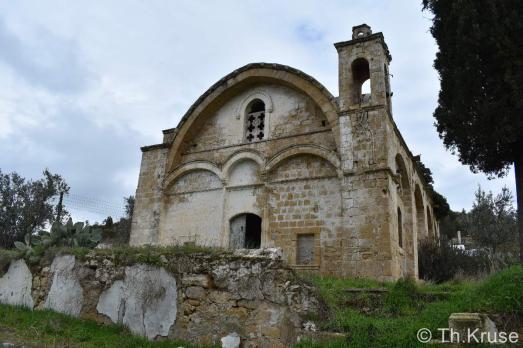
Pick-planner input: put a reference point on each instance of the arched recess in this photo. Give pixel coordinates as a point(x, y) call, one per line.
point(189, 167)
point(240, 156)
point(239, 79)
point(244, 172)
point(194, 187)
point(430, 225)
point(360, 71)
point(402, 173)
point(295, 150)
point(421, 226)
point(409, 239)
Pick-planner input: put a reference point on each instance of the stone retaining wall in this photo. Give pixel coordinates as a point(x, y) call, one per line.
point(196, 297)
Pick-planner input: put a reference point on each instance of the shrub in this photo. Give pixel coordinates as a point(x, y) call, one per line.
point(440, 262)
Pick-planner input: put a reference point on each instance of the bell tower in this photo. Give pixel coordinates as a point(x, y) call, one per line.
point(365, 57)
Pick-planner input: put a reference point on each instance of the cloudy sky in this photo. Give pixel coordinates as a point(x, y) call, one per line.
point(84, 84)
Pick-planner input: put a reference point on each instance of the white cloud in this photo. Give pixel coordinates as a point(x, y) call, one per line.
point(88, 82)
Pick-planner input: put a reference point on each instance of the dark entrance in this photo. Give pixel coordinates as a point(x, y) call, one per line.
point(245, 232)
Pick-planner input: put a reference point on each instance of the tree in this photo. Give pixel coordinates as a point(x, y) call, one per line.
point(129, 207)
point(492, 220)
point(480, 63)
point(427, 173)
point(26, 205)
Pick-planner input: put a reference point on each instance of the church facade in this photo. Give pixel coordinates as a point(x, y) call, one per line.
point(268, 157)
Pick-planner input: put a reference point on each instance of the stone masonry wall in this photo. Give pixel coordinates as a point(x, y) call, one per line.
point(305, 199)
point(147, 206)
point(199, 297)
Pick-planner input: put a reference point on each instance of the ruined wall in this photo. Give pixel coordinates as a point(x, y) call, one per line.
point(196, 297)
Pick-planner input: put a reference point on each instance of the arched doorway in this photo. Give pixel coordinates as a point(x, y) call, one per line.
point(245, 232)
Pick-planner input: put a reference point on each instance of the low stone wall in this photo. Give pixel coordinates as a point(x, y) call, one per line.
point(196, 297)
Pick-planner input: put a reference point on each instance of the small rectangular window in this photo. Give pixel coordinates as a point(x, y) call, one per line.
point(305, 254)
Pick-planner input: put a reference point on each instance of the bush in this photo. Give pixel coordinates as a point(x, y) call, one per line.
point(442, 262)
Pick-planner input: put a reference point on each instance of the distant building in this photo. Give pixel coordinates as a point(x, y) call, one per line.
point(269, 157)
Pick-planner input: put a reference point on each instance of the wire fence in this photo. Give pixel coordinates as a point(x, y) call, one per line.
point(73, 202)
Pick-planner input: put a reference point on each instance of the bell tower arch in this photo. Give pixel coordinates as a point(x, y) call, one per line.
point(362, 59)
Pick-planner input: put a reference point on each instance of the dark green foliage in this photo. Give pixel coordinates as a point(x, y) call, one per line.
point(439, 262)
point(129, 207)
point(115, 233)
point(118, 233)
point(451, 223)
point(108, 222)
point(480, 62)
point(26, 205)
point(70, 235)
point(427, 173)
point(440, 205)
point(492, 220)
point(480, 106)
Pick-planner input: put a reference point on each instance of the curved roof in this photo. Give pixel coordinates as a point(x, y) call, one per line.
point(250, 72)
point(234, 73)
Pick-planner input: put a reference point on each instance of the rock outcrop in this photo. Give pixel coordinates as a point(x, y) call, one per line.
point(66, 293)
point(145, 301)
point(15, 285)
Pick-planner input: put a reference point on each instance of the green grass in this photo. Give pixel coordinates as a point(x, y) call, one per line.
point(393, 319)
point(50, 329)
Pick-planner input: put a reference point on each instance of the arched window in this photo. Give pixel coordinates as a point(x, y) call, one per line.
point(360, 75)
point(255, 121)
point(400, 228)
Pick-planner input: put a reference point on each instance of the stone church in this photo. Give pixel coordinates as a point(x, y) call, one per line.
point(268, 157)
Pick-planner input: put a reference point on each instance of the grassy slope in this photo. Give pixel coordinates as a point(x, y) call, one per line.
point(49, 329)
point(395, 318)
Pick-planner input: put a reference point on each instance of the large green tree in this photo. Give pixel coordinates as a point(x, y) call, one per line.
point(480, 62)
point(27, 205)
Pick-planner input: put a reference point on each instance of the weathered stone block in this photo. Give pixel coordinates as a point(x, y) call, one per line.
point(16, 284)
point(195, 292)
point(202, 280)
point(145, 301)
point(465, 323)
point(66, 293)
